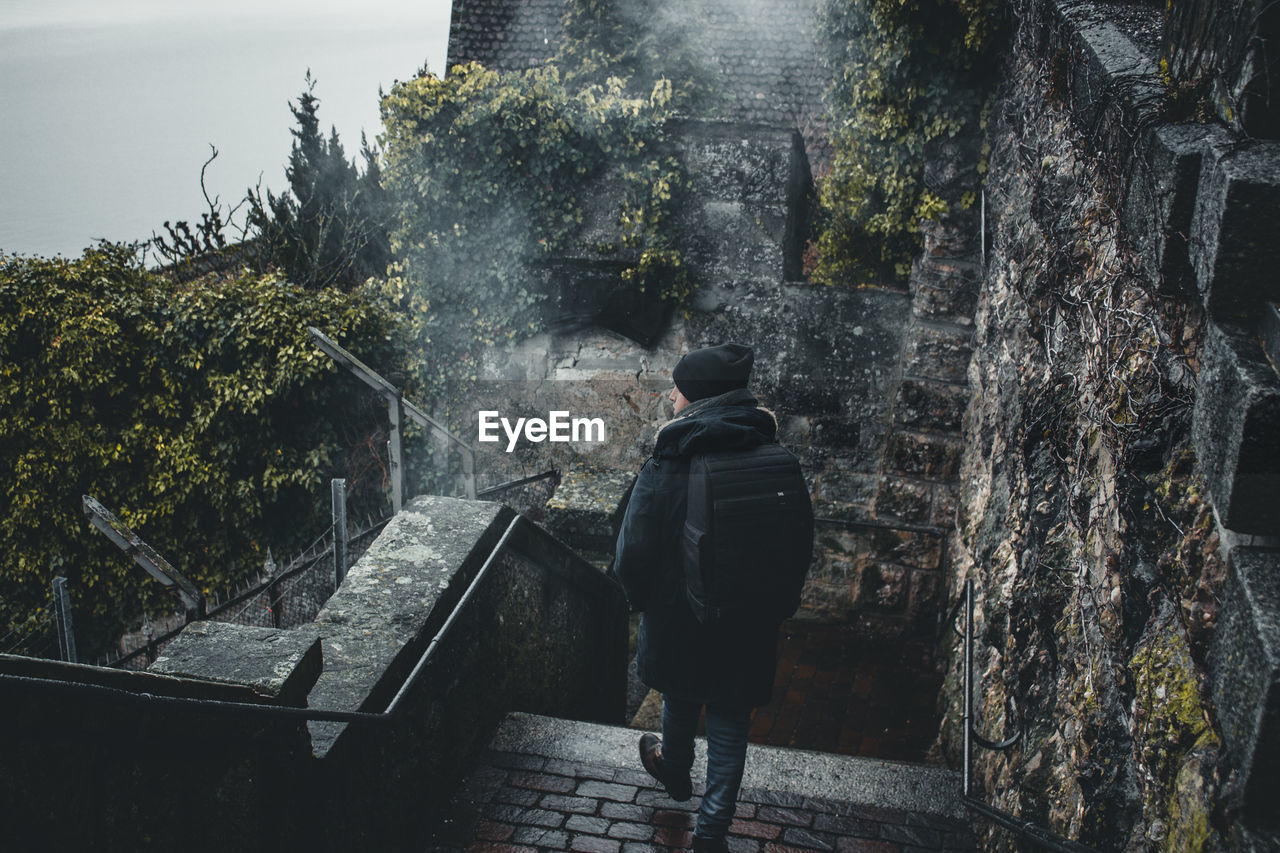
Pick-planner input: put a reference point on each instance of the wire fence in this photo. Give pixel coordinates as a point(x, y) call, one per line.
point(282, 597)
point(276, 597)
point(36, 637)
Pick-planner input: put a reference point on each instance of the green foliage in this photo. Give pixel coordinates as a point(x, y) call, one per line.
point(639, 42)
point(907, 75)
point(201, 414)
point(331, 228)
point(488, 169)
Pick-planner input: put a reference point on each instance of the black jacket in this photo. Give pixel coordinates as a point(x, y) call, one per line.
point(677, 655)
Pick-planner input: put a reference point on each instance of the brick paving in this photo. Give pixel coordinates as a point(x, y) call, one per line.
point(834, 693)
point(520, 803)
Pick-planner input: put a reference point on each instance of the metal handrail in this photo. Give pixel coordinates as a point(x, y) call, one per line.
point(523, 481)
point(397, 406)
point(1024, 829)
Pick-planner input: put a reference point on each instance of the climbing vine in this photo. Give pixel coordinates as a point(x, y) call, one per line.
point(490, 170)
point(201, 414)
point(906, 76)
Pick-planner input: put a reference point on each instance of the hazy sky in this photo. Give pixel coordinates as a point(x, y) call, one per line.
point(24, 13)
point(107, 108)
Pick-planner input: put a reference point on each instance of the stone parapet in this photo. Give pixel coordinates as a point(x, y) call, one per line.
point(1245, 681)
point(586, 510)
point(1235, 432)
point(1235, 233)
point(1161, 198)
point(279, 664)
point(1229, 45)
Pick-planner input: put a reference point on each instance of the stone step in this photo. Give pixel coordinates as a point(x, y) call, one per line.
point(551, 784)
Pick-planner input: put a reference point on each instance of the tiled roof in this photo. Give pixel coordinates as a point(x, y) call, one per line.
point(764, 49)
point(509, 35)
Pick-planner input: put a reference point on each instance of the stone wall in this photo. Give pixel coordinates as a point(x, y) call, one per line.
point(868, 380)
point(490, 612)
point(1115, 453)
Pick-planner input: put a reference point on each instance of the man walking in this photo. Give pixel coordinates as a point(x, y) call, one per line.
point(713, 588)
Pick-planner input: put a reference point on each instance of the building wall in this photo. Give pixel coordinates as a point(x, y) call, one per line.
point(1116, 384)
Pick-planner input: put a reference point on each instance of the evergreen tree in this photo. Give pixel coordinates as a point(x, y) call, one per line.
point(330, 228)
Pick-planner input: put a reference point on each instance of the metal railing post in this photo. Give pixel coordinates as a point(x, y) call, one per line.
point(469, 474)
point(398, 409)
point(395, 412)
point(62, 608)
point(144, 555)
point(339, 488)
point(968, 682)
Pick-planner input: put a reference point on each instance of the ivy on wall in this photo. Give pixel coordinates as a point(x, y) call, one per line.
point(201, 414)
point(906, 76)
point(489, 170)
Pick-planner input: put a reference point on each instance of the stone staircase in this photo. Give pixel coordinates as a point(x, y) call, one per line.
point(548, 784)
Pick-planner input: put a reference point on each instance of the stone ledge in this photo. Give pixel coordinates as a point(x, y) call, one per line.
point(1115, 88)
point(1161, 197)
point(586, 510)
point(280, 664)
point(394, 598)
point(1234, 430)
point(1234, 246)
point(1245, 680)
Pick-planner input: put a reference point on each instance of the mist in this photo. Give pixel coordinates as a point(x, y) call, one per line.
point(110, 108)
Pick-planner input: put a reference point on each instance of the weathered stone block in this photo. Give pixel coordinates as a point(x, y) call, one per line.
point(735, 241)
point(279, 664)
point(1271, 332)
point(586, 510)
point(859, 543)
point(839, 485)
point(945, 500)
point(736, 162)
point(836, 432)
point(1116, 74)
point(409, 580)
point(1245, 679)
point(945, 290)
point(1229, 42)
point(882, 588)
point(932, 406)
point(909, 500)
point(834, 564)
point(826, 600)
point(921, 455)
point(1161, 200)
point(938, 353)
point(1235, 236)
point(1235, 430)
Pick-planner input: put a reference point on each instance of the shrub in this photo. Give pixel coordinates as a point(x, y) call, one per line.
point(488, 170)
point(201, 414)
point(906, 75)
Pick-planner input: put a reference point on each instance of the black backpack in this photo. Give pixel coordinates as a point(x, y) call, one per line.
point(748, 534)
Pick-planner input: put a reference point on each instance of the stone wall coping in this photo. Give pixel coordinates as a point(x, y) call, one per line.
point(279, 664)
point(132, 681)
point(395, 598)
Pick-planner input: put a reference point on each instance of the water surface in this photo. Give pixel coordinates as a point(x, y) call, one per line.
point(104, 124)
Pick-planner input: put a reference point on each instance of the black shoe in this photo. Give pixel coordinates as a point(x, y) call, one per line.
point(710, 845)
point(679, 788)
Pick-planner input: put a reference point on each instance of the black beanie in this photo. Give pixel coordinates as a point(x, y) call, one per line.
point(711, 371)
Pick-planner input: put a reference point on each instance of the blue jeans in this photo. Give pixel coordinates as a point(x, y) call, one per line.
point(726, 756)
